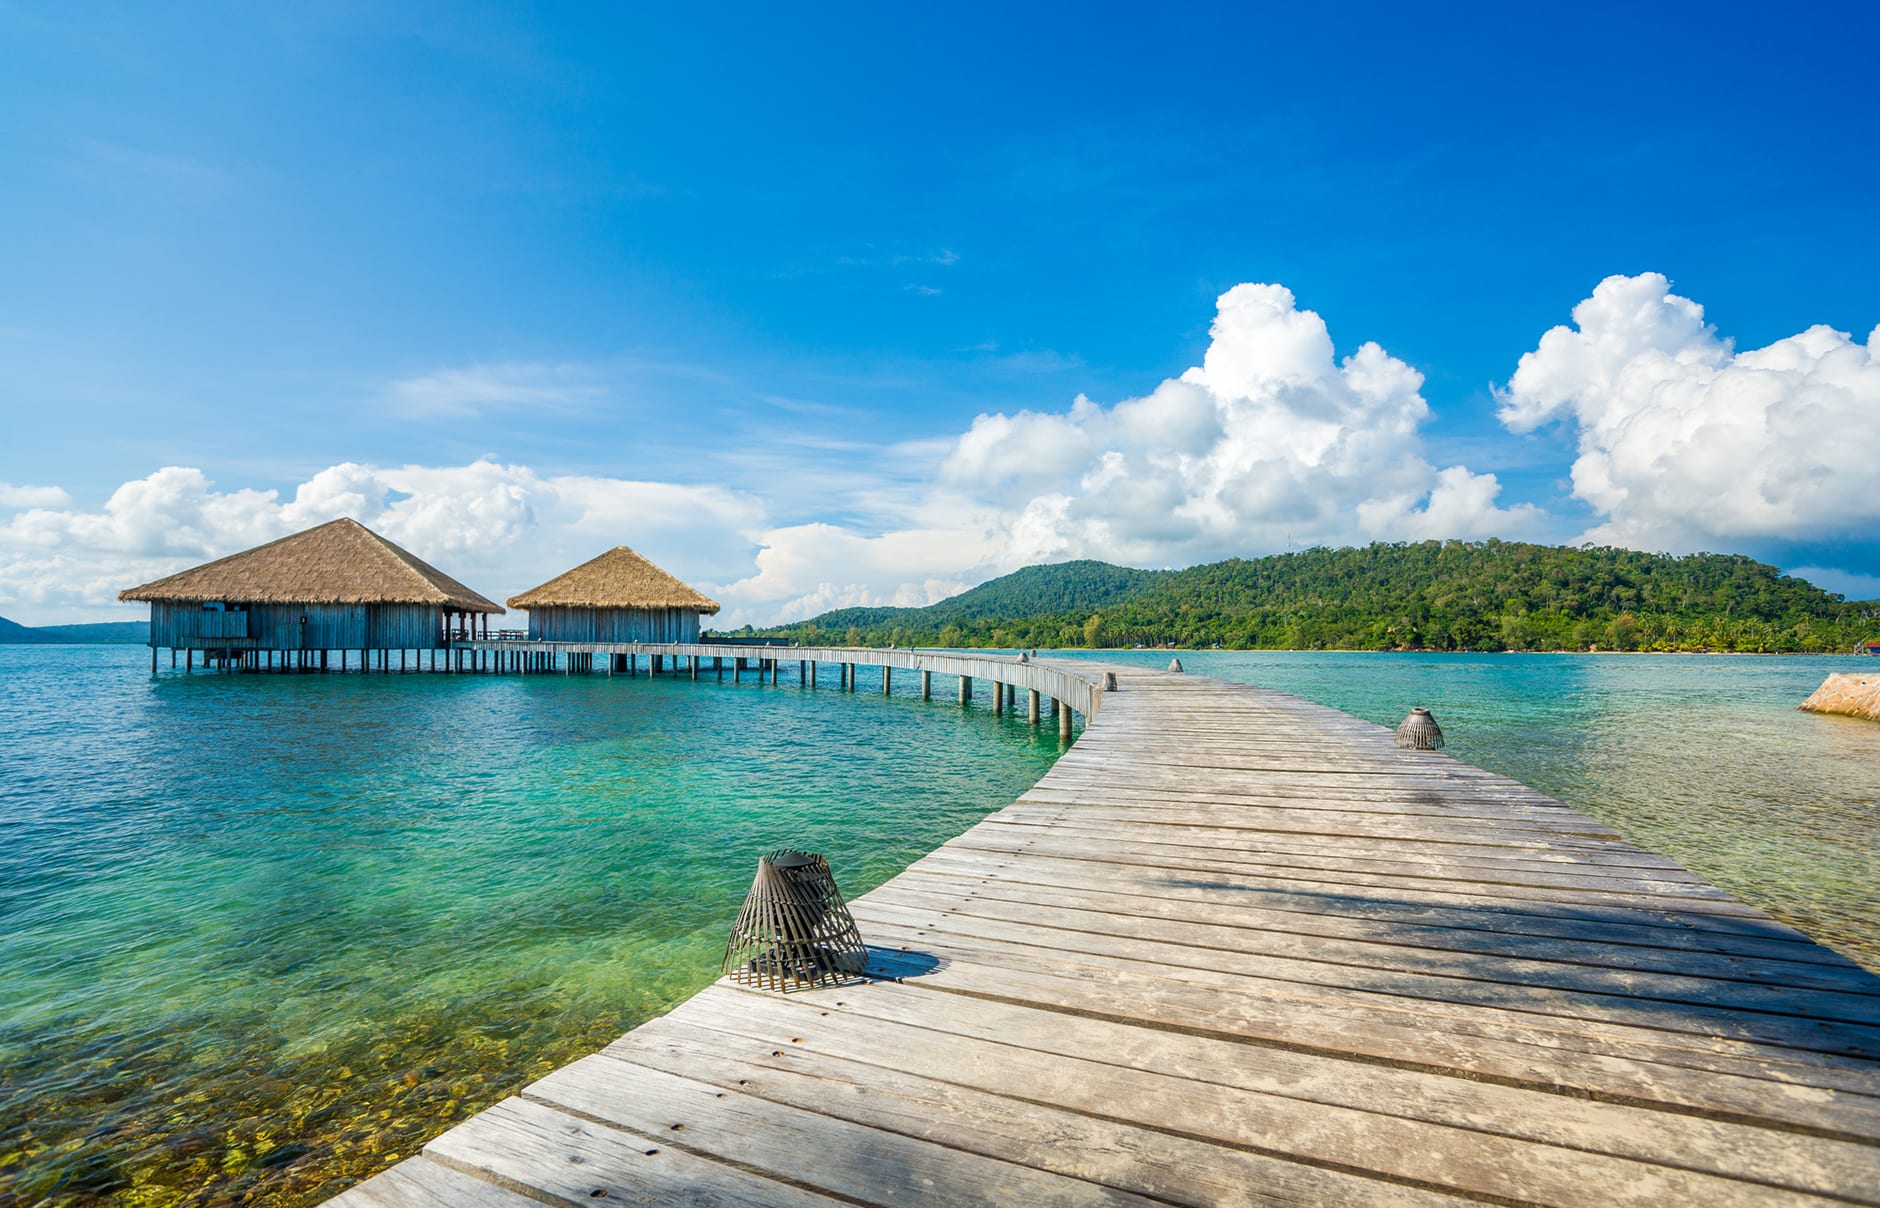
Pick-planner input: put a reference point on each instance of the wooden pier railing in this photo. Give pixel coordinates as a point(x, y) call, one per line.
point(1235, 948)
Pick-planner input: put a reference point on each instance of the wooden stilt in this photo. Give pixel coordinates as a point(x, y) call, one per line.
point(1064, 722)
point(998, 699)
point(966, 688)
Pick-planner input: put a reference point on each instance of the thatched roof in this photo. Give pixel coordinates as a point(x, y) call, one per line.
point(618, 578)
point(339, 562)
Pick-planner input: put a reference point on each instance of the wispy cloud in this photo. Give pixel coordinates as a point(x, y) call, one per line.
point(162, 169)
point(514, 385)
point(924, 291)
point(944, 257)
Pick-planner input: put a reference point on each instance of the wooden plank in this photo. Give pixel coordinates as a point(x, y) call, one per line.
point(421, 1183)
point(1616, 1060)
point(1236, 948)
point(1408, 859)
point(852, 1160)
point(1721, 914)
point(1151, 1162)
point(1179, 961)
point(881, 1025)
point(526, 1145)
point(1492, 917)
point(1302, 932)
point(1428, 1154)
point(1097, 917)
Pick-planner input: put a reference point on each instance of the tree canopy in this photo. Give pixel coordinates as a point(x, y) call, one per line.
point(1431, 595)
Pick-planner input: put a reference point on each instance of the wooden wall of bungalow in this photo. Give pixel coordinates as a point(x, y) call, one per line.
point(249, 626)
point(557, 623)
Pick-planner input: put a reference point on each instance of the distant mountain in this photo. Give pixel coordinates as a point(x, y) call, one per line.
point(1034, 591)
point(106, 633)
point(1431, 595)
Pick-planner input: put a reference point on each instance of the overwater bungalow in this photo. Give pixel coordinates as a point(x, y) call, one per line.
point(617, 597)
point(336, 588)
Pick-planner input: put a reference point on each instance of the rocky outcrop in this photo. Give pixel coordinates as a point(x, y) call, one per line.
point(1852, 694)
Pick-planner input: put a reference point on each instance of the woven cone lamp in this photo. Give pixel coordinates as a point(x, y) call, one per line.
point(794, 931)
point(1419, 731)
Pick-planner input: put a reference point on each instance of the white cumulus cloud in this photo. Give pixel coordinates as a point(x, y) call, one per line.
point(500, 528)
point(1686, 443)
point(1271, 440)
point(20, 497)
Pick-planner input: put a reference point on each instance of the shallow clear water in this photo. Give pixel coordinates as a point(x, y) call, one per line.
point(263, 933)
point(1703, 758)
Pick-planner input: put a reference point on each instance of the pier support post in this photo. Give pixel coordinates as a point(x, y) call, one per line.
point(802, 673)
point(695, 668)
point(1064, 722)
point(998, 699)
point(850, 667)
point(812, 673)
point(887, 679)
point(1032, 706)
point(966, 688)
point(926, 685)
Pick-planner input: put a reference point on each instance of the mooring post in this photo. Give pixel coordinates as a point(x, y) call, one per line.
point(966, 688)
point(887, 679)
point(926, 685)
point(851, 671)
point(812, 673)
point(802, 673)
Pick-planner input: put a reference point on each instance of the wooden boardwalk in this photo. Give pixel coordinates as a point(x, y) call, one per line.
point(1237, 949)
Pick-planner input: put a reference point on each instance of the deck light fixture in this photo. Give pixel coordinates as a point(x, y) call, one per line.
point(1419, 731)
point(794, 931)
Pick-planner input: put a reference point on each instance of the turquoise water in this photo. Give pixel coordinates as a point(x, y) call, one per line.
point(264, 934)
point(1703, 758)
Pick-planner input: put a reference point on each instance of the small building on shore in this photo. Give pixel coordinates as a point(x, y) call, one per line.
point(617, 597)
point(337, 587)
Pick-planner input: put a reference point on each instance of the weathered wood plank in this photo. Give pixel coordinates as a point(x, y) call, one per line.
point(421, 1183)
point(1395, 1146)
point(853, 1160)
point(1151, 1162)
point(1622, 949)
point(1237, 948)
point(884, 1025)
point(528, 1145)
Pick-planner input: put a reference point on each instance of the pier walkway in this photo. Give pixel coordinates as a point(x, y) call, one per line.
point(1236, 948)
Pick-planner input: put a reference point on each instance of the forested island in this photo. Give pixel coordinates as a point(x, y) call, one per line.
point(1432, 595)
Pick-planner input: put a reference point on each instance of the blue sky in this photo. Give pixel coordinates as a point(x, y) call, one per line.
point(801, 306)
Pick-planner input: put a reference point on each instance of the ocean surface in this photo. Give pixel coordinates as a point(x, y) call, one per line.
point(263, 934)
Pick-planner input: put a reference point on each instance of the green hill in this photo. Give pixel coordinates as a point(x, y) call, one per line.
point(13, 633)
point(1433, 595)
point(1034, 591)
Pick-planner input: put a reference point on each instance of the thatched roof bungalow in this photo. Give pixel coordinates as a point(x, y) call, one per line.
point(617, 597)
point(339, 586)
